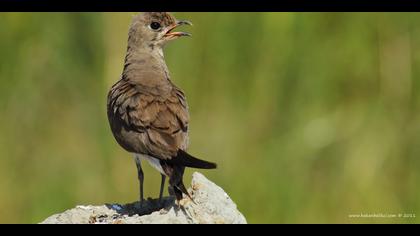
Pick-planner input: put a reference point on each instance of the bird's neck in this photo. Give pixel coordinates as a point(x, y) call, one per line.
point(146, 61)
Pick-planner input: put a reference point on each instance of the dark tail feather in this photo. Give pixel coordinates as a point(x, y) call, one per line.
point(185, 159)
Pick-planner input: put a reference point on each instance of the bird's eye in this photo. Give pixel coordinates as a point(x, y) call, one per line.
point(155, 25)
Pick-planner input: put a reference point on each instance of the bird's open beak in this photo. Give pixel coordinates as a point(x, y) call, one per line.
point(171, 35)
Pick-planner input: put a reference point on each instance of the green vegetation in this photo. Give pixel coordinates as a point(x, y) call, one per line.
point(310, 116)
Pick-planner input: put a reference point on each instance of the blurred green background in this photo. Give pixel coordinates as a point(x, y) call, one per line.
point(310, 116)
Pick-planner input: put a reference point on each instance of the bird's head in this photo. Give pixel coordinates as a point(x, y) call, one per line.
point(155, 29)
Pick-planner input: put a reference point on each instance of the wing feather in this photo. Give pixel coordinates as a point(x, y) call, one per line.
point(146, 123)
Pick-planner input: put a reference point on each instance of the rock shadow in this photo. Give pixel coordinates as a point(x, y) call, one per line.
point(148, 207)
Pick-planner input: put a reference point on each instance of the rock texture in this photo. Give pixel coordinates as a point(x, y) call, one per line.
point(209, 205)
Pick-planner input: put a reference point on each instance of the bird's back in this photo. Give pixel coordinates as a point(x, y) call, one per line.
point(147, 118)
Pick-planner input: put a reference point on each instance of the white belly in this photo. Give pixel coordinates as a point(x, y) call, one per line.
point(152, 161)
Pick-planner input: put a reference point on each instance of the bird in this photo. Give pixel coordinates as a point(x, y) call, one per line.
point(147, 113)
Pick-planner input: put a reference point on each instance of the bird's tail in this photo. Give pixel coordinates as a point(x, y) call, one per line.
point(184, 159)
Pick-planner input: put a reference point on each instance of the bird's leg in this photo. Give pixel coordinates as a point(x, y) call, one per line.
point(176, 186)
point(162, 185)
point(141, 178)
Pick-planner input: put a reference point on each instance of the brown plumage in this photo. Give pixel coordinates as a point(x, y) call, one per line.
point(147, 113)
point(147, 123)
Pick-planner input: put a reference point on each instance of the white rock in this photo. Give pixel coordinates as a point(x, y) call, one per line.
point(210, 205)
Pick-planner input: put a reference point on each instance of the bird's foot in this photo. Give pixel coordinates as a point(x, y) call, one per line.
point(142, 202)
point(181, 203)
